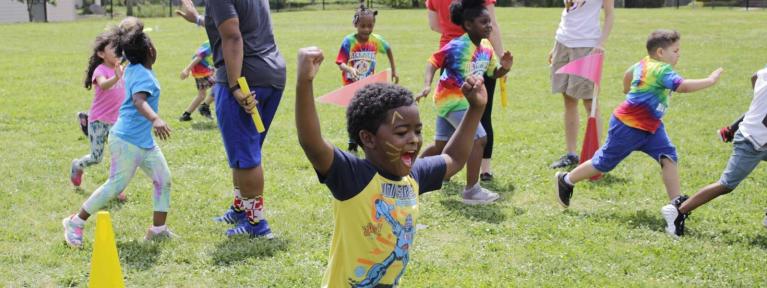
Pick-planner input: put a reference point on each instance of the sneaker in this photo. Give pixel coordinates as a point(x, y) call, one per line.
point(725, 134)
point(565, 161)
point(260, 229)
point(486, 177)
point(122, 197)
point(205, 111)
point(482, 196)
point(185, 117)
point(231, 216)
point(75, 174)
point(82, 118)
point(564, 190)
point(164, 234)
point(73, 234)
point(674, 219)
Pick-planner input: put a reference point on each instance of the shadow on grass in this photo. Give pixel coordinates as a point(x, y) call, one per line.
point(491, 213)
point(237, 249)
point(641, 219)
point(139, 255)
point(760, 241)
point(206, 125)
point(609, 180)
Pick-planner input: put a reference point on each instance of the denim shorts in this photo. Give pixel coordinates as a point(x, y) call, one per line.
point(447, 125)
point(743, 160)
point(622, 140)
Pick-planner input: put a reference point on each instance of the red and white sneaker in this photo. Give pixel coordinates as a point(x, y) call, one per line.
point(75, 174)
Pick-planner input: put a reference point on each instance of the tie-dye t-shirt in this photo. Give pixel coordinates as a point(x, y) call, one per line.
point(459, 59)
point(647, 101)
point(360, 56)
point(205, 67)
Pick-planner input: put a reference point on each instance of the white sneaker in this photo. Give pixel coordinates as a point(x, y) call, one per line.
point(670, 213)
point(164, 234)
point(480, 197)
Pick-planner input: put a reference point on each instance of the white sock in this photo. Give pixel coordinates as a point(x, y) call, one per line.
point(77, 220)
point(567, 180)
point(158, 229)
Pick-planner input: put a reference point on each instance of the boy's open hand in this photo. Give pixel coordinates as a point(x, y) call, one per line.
point(473, 89)
point(187, 11)
point(715, 75)
point(309, 60)
point(184, 74)
point(161, 129)
point(425, 92)
point(507, 60)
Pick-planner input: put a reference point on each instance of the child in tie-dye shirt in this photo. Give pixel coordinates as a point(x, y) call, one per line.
point(357, 56)
point(636, 123)
point(202, 70)
point(465, 56)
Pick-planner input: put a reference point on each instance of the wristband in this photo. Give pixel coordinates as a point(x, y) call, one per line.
point(199, 20)
point(234, 88)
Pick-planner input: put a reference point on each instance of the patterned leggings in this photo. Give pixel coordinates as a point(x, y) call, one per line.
point(98, 132)
point(126, 158)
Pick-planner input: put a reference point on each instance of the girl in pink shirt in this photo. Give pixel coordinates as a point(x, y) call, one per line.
point(104, 74)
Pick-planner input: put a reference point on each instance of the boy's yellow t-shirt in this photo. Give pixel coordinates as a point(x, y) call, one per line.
point(375, 219)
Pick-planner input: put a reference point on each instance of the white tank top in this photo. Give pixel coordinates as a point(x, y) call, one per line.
point(753, 125)
point(579, 26)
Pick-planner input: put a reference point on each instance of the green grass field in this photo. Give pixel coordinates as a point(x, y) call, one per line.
point(611, 236)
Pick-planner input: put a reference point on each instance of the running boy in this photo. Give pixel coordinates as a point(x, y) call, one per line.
point(381, 190)
point(749, 148)
point(636, 124)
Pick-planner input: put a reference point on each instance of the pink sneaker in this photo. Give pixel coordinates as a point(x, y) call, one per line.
point(75, 174)
point(73, 234)
point(122, 197)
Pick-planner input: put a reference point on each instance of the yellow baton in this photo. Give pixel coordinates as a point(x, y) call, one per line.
point(256, 117)
point(504, 96)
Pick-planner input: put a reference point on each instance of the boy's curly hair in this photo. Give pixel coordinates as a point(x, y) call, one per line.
point(661, 38)
point(370, 104)
point(466, 10)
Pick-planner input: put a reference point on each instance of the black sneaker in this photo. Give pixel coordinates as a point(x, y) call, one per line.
point(564, 190)
point(565, 161)
point(82, 118)
point(486, 177)
point(674, 218)
point(205, 111)
point(185, 117)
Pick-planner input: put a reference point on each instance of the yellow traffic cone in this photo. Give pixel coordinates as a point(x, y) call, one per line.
point(105, 264)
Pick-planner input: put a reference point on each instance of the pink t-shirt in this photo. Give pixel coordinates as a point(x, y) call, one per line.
point(450, 31)
point(106, 103)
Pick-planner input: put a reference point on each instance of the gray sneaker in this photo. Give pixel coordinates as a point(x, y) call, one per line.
point(164, 234)
point(479, 196)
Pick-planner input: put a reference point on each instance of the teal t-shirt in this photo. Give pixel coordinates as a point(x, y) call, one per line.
point(131, 126)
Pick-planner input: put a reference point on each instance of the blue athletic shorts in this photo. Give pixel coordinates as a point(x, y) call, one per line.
point(622, 140)
point(447, 125)
point(241, 139)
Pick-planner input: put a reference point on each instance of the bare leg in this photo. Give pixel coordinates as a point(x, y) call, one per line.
point(670, 177)
point(250, 181)
point(475, 160)
point(703, 196)
point(572, 121)
point(582, 172)
point(158, 218)
point(434, 149)
point(196, 102)
point(485, 167)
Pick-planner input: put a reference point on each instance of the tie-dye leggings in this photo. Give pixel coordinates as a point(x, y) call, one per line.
point(126, 158)
point(98, 132)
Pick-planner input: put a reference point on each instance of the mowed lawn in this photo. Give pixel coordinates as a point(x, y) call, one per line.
point(611, 236)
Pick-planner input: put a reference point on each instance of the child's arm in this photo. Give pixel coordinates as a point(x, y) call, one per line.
point(434, 21)
point(459, 146)
point(692, 85)
point(607, 6)
point(161, 129)
point(628, 77)
point(394, 76)
point(351, 71)
point(319, 151)
point(753, 80)
point(428, 77)
point(188, 69)
point(506, 61)
point(105, 83)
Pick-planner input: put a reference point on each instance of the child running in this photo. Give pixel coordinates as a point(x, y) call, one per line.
point(382, 190)
point(201, 69)
point(468, 55)
point(104, 75)
point(131, 144)
point(357, 56)
point(636, 123)
point(748, 150)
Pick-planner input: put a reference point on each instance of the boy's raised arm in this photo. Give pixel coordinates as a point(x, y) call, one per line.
point(459, 146)
point(319, 151)
point(692, 85)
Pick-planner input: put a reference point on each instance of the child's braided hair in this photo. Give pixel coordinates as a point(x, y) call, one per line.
point(466, 10)
point(363, 11)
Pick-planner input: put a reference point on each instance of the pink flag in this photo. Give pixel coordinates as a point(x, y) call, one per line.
point(342, 96)
point(589, 67)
